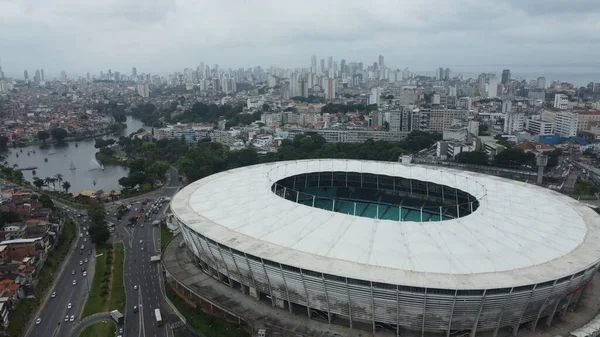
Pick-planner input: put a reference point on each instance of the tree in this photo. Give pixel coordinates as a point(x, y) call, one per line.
point(66, 186)
point(99, 233)
point(473, 158)
point(266, 107)
point(514, 157)
point(120, 118)
point(59, 134)
point(46, 201)
point(39, 183)
point(59, 179)
point(97, 214)
point(9, 217)
point(43, 136)
point(3, 142)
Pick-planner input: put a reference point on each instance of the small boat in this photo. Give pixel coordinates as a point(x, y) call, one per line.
point(76, 145)
point(21, 150)
point(33, 172)
point(33, 151)
point(17, 155)
point(72, 168)
point(102, 167)
point(46, 160)
point(94, 182)
point(28, 153)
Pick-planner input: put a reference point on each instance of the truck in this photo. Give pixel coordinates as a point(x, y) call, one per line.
point(155, 258)
point(116, 316)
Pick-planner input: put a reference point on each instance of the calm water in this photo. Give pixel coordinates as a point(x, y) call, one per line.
point(59, 161)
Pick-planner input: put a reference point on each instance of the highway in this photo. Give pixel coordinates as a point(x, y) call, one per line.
point(139, 271)
point(55, 309)
point(141, 242)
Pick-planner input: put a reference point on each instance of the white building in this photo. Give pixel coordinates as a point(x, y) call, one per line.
point(514, 122)
point(565, 124)
point(455, 132)
point(143, 90)
point(375, 94)
point(540, 127)
point(561, 101)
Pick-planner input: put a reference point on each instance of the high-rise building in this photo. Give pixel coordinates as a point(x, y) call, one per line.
point(343, 67)
point(447, 74)
point(313, 64)
point(133, 71)
point(329, 62)
point(63, 76)
point(330, 88)
point(375, 95)
point(43, 78)
point(381, 61)
point(541, 83)
point(561, 101)
point(143, 90)
point(360, 66)
point(322, 66)
point(514, 122)
point(26, 75)
point(1, 73)
point(505, 76)
point(565, 124)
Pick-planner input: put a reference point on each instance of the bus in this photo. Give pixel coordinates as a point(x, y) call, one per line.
point(159, 321)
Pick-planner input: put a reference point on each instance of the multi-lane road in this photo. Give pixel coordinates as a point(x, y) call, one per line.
point(142, 279)
point(143, 285)
point(56, 306)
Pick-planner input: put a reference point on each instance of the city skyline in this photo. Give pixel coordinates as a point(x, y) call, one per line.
point(163, 37)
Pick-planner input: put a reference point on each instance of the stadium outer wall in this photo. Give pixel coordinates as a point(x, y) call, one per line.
point(391, 307)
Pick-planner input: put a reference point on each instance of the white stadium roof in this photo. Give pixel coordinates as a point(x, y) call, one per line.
point(521, 234)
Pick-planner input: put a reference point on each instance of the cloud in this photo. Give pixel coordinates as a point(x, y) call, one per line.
point(168, 35)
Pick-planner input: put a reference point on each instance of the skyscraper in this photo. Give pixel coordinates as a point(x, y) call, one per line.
point(133, 71)
point(322, 66)
point(342, 66)
point(505, 76)
point(313, 63)
point(330, 88)
point(26, 75)
point(381, 61)
point(330, 62)
point(541, 83)
point(440, 74)
point(43, 78)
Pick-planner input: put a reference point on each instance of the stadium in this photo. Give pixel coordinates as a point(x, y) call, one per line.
point(392, 247)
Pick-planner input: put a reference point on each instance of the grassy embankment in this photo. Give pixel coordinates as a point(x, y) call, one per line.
point(202, 323)
point(165, 235)
point(100, 329)
point(107, 292)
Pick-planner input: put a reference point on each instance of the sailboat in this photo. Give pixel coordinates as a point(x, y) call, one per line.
point(73, 168)
point(102, 167)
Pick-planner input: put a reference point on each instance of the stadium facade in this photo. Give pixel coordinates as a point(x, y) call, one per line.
point(392, 246)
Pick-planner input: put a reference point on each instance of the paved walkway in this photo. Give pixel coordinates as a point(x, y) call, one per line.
point(178, 264)
point(95, 318)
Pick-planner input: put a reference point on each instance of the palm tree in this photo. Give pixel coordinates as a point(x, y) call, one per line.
point(48, 181)
point(66, 185)
point(39, 183)
point(59, 178)
point(112, 195)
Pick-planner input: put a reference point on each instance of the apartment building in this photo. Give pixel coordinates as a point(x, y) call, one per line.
point(436, 120)
point(566, 124)
point(561, 101)
point(539, 127)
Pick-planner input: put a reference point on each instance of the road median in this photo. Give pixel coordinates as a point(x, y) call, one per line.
point(107, 292)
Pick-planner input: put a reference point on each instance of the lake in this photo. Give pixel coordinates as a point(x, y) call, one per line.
point(81, 153)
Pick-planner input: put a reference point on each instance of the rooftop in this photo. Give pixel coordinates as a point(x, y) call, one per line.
point(520, 234)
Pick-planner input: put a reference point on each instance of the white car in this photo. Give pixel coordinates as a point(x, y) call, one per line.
point(53, 294)
point(74, 282)
point(67, 318)
point(85, 260)
point(85, 273)
point(80, 262)
point(73, 272)
point(141, 241)
point(72, 318)
point(38, 321)
point(69, 306)
point(135, 287)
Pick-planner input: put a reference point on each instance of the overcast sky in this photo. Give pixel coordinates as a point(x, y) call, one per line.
point(167, 35)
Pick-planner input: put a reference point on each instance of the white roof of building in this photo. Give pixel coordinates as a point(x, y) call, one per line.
point(8, 242)
point(521, 234)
